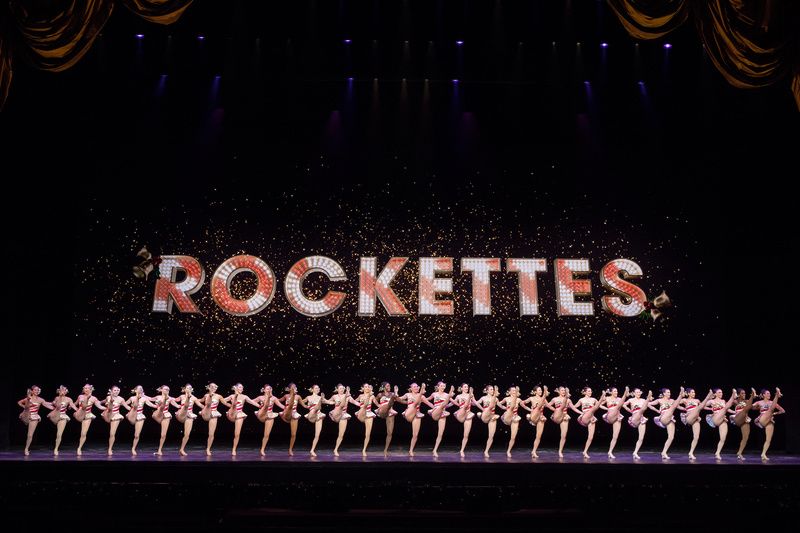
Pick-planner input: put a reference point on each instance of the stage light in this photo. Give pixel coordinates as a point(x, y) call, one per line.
point(349, 79)
point(667, 46)
point(348, 41)
point(455, 81)
point(140, 35)
point(603, 45)
point(201, 38)
point(459, 43)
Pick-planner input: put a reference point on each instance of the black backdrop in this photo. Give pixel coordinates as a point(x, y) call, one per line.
point(281, 156)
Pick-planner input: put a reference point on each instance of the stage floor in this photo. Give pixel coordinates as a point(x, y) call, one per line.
point(398, 493)
point(423, 457)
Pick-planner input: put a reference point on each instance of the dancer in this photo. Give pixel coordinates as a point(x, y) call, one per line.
point(537, 401)
point(135, 407)
point(611, 405)
point(739, 418)
point(339, 414)
point(58, 415)
point(313, 402)
point(235, 404)
point(161, 413)
point(209, 411)
point(414, 398)
point(586, 407)
point(510, 417)
point(29, 416)
point(487, 403)
point(384, 402)
point(439, 413)
point(637, 406)
point(767, 411)
point(364, 413)
point(666, 416)
point(112, 415)
point(83, 413)
point(266, 413)
point(559, 406)
point(464, 413)
point(717, 418)
point(290, 401)
point(185, 413)
point(690, 416)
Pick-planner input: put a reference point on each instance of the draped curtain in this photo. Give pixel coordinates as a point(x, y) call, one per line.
point(55, 34)
point(753, 43)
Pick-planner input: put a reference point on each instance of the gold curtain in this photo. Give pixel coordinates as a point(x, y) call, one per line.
point(54, 35)
point(753, 43)
point(650, 19)
point(158, 11)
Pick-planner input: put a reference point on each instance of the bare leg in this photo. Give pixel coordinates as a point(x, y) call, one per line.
point(514, 429)
point(292, 435)
point(615, 427)
point(187, 430)
point(467, 428)
point(31, 429)
point(237, 432)
point(492, 428)
point(84, 430)
point(414, 434)
point(564, 428)
point(670, 438)
point(695, 438)
point(137, 432)
point(769, 426)
point(589, 439)
point(212, 428)
point(539, 431)
point(59, 432)
point(745, 435)
point(164, 428)
point(112, 436)
point(317, 430)
point(442, 422)
point(367, 433)
point(342, 428)
point(642, 429)
point(267, 430)
point(389, 431)
point(769, 429)
point(723, 434)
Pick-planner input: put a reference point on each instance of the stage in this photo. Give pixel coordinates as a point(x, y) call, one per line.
point(398, 492)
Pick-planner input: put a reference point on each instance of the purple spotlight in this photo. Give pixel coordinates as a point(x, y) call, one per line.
point(455, 81)
point(349, 79)
point(667, 46)
point(459, 43)
point(140, 35)
point(201, 37)
point(603, 45)
point(348, 41)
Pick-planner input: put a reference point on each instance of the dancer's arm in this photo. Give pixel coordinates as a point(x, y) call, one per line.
point(654, 402)
point(277, 402)
point(402, 399)
point(574, 407)
point(354, 402)
point(251, 401)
